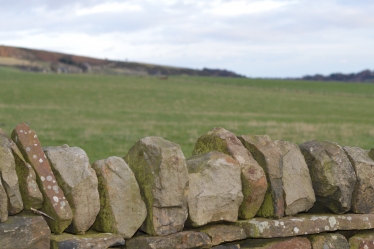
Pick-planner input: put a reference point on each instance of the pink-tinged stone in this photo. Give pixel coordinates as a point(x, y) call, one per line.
point(254, 183)
point(289, 243)
point(55, 203)
point(180, 240)
point(362, 240)
point(304, 224)
point(26, 231)
point(8, 175)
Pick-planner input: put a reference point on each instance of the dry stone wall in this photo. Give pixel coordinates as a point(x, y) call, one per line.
point(235, 192)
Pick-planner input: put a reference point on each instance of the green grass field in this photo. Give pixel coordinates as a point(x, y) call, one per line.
point(106, 115)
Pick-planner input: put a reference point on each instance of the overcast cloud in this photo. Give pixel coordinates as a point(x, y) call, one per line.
point(267, 38)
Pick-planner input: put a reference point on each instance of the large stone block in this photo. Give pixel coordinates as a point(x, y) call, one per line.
point(254, 184)
point(3, 204)
point(55, 203)
point(30, 192)
point(122, 209)
point(161, 171)
point(297, 185)
point(90, 240)
point(222, 233)
point(26, 231)
point(332, 174)
point(329, 240)
point(371, 153)
point(79, 183)
point(363, 194)
point(180, 240)
point(289, 243)
point(362, 240)
point(9, 176)
point(303, 224)
point(215, 189)
point(268, 155)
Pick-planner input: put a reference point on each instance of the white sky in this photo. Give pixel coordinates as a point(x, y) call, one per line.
point(267, 38)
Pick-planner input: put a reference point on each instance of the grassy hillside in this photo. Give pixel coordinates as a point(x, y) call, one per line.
point(106, 115)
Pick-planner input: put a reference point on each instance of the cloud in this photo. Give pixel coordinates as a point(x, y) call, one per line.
point(258, 38)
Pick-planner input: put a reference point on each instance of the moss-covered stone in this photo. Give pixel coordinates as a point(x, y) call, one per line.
point(269, 157)
point(161, 171)
point(9, 176)
point(332, 174)
point(122, 209)
point(254, 183)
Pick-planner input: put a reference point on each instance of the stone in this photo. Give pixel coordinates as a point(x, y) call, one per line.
point(297, 185)
point(221, 233)
point(215, 189)
point(254, 183)
point(30, 192)
point(26, 231)
point(332, 174)
point(268, 155)
point(90, 240)
point(3, 204)
point(363, 194)
point(329, 240)
point(55, 203)
point(78, 181)
point(371, 153)
point(362, 240)
point(304, 224)
point(289, 243)
point(161, 171)
point(122, 210)
point(180, 240)
point(8, 175)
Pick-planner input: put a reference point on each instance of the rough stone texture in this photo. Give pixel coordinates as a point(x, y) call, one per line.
point(363, 194)
point(161, 171)
point(3, 204)
point(180, 240)
point(269, 157)
point(8, 175)
point(90, 240)
point(297, 185)
point(30, 192)
point(362, 240)
point(122, 209)
point(303, 224)
point(371, 153)
point(254, 184)
point(26, 231)
point(332, 174)
point(289, 243)
point(329, 240)
point(55, 203)
point(215, 188)
point(221, 233)
point(79, 183)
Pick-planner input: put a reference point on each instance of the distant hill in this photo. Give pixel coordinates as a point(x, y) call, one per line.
point(53, 62)
point(364, 76)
